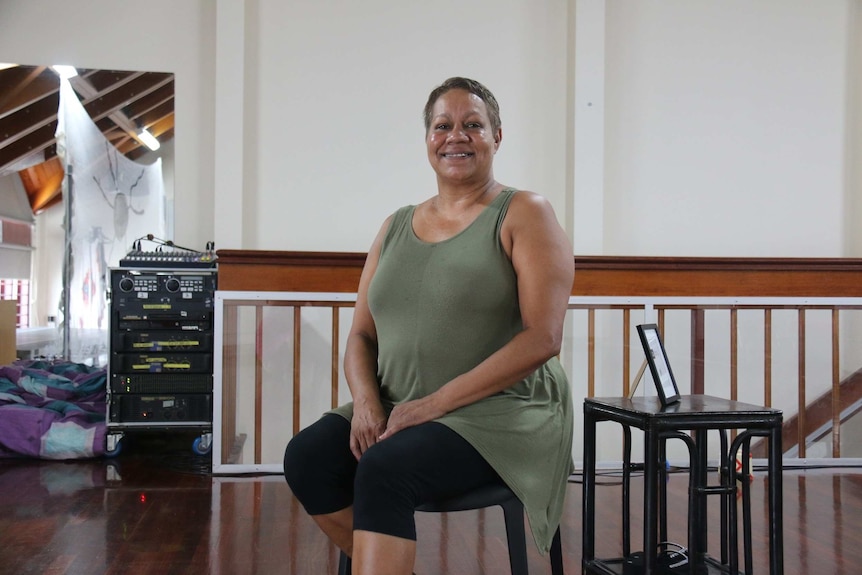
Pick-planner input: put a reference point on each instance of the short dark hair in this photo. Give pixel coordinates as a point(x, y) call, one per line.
point(472, 86)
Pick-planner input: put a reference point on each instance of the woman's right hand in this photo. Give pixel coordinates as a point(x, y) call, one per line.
point(367, 425)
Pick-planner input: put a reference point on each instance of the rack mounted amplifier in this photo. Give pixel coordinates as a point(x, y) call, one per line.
point(161, 345)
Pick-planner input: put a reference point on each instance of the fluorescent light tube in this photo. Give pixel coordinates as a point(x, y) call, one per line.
point(65, 72)
point(148, 139)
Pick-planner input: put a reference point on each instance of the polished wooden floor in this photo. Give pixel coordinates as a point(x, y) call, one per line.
point(157, 510)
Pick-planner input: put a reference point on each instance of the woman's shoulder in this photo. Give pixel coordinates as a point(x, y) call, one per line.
point(528, 204)
point(398, 215)
point(529, 218)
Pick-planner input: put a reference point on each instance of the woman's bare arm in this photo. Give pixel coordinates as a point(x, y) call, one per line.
point(360, 362)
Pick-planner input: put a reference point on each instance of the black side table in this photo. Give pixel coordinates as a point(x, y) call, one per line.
point(700, 414)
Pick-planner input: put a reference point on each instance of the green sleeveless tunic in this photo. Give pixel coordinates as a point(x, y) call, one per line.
point(440, 309)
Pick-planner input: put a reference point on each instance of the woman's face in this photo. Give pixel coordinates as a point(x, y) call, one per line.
point(460, 140)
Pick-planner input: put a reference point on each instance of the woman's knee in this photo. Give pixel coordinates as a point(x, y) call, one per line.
point(296, 457)
point(386, 476)
point(319, 467)
point(371, 468)
point(384, 495)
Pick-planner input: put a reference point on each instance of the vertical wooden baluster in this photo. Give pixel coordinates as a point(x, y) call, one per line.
point(627, 331)
point(297, 331)
point(697, 351)
point(591, 352)
point(801, 429)
point(335, 355)
point(734, 343)
point(229, 367)
point(836, 387)
point(258, 383)
point(767, 357)
point(734, 367)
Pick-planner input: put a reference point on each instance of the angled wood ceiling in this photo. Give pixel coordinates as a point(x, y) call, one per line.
point(121, 103)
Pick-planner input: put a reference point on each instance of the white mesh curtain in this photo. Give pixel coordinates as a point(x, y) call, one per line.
point(114, 201)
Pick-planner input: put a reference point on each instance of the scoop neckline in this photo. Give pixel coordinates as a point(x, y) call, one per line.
point(470, 225)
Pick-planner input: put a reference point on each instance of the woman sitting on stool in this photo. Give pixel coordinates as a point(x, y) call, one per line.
point(452, 356)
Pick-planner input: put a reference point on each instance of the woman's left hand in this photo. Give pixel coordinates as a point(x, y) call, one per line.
point(411, 413)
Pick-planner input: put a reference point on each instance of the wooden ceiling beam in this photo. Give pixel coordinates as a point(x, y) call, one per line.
point(104, 104)
point(24, 121)
point(24, 85)
point(116, 97)
point(161, 99)
point(34, 143)
point(163, 125)
point(111, 102)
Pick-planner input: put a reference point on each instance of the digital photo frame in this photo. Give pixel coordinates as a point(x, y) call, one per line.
point(659, 366)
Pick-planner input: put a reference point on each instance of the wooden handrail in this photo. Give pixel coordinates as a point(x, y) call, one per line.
point(257, 270)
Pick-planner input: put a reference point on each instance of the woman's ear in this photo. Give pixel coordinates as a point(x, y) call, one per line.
point(498, 137)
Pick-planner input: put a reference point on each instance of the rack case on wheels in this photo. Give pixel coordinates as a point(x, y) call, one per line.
point(160, 363)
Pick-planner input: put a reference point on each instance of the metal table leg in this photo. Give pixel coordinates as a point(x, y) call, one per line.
point(589, 494)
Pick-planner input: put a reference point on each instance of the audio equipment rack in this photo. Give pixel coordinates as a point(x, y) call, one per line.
point(160, 362)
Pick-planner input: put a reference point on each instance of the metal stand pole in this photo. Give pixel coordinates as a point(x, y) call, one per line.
point(67, 265)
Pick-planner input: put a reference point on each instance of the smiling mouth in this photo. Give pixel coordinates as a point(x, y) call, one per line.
point(458, 155)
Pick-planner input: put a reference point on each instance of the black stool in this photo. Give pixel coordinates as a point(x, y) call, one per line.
point(513, 514)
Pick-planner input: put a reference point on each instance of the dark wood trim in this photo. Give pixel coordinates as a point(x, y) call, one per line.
point(261, 270)
point(253, 270)
point(270, 257)
point(663, 263)
point(643, 263)
point(717, 277)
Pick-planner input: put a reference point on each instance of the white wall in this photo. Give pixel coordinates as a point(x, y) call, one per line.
point(721, 126)
point(336, 91)
point(726, 128)
point(48, 242)
point(853, 189)
point(15, 261)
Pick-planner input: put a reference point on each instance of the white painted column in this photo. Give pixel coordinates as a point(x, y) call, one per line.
point(853, 139)
point(588, 166)
point(228, 190)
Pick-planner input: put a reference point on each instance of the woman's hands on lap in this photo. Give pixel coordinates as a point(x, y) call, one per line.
point(366, 427)
point(369, 424)
point(412, 413)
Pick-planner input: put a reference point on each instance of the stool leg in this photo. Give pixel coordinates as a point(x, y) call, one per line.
point(723, 480)
point(344, 564)
point(746, 507)
point(557, 555)
point(627, 475)
point(732, 515)
point(662, 490)
point(513, 515)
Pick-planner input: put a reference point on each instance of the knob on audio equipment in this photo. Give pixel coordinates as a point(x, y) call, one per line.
point(127, 284)
point(172, 285)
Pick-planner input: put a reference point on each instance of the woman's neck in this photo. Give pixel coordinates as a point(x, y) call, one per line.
point(462, 197)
